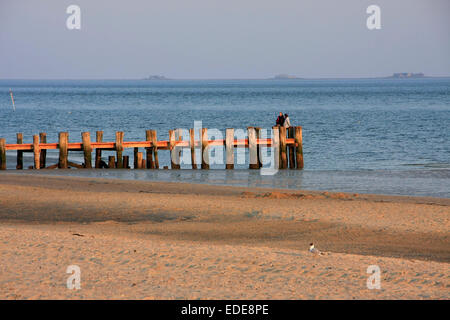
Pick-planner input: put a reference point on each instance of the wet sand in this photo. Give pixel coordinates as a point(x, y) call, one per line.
point(136, 240)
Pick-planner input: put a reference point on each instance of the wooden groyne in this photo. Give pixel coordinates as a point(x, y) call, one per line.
point(286, 145)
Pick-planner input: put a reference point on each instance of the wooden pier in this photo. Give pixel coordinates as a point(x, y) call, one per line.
point(286, 144)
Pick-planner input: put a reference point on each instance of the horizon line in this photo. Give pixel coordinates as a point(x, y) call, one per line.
point(270, 78)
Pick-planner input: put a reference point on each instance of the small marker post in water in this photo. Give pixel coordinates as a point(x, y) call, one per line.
point(12, 99)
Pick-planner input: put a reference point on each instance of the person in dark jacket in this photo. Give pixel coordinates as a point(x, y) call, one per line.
point(280, 120)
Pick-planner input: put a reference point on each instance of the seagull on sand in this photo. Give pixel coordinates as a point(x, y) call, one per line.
point(314, 250)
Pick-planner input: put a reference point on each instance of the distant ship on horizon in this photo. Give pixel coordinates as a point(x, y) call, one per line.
point(398, 75)
point(406, 75)
point(284, 77)
point(156, 77)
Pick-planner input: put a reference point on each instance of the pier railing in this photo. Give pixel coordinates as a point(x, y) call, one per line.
point(286, 144)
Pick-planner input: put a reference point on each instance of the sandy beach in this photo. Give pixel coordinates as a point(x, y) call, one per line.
point(154, 240)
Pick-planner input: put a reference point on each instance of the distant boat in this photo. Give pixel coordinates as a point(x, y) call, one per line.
point(284, 77)
point(406, 75)
point(156, 77)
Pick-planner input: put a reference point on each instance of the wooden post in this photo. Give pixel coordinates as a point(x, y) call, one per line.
point(2, 154)
point(139, 160)
point(258, 147)
point(36, 152)
point(19, 165)
point(43, 160)
point(87, 150)
point(283, 149)
point(174, 155)
point(155, 148)
point(148, 137)
point(179, 134)
point(111, 162)
point(135, 154)
point(126, 162)
point(229, 146)
point(252, 149)
point(192, 145)
point(119, 149)
point(276, 146)
point(291, 149)
point(98, 152)
point(205, 149)
point(171, 145)
point(179, 149)
point(63, 150)
point(299, 143)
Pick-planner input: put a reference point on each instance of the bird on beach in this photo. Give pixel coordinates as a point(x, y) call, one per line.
point(314, 250)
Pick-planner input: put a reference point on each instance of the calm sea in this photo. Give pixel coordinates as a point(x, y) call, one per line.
point(367, 135)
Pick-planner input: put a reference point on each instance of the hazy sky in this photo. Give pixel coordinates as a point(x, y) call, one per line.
point(222, 39)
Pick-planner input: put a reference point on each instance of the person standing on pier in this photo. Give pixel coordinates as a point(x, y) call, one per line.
point(280, 120)
point(287, 122)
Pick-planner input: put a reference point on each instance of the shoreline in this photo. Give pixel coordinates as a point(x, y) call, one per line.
point(362, 182)
point(366, 196)
point(161, 240)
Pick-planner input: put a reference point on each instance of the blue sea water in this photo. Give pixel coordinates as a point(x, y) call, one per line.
point(364, 135)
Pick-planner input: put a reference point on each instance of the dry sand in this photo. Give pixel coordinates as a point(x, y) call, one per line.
point(154, 240)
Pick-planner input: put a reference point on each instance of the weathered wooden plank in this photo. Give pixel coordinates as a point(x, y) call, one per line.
point(179, 144)
point(162, 145)
point(149, 150)
point(299, 149)
point(283, 149)
point(192, 146)
point(291, 148)
point(252, 148)
point(63, 150)
point(126, 162)
point(98, 151)
point(229, 147)
point(43, 155)
point(19, 165)
point(276, 146)
point(75, 165)
point(87, 149)
point(53, 166)
point(36, 152)
point(139, 157)
point(205, 148)
point(111, 162)
point(135, 153)
point(258, 147)
point(174, 155)
point(119, 149)
point(2, 154)
point(155, 148)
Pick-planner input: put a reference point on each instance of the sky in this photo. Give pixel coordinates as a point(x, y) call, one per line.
point(233, 39)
